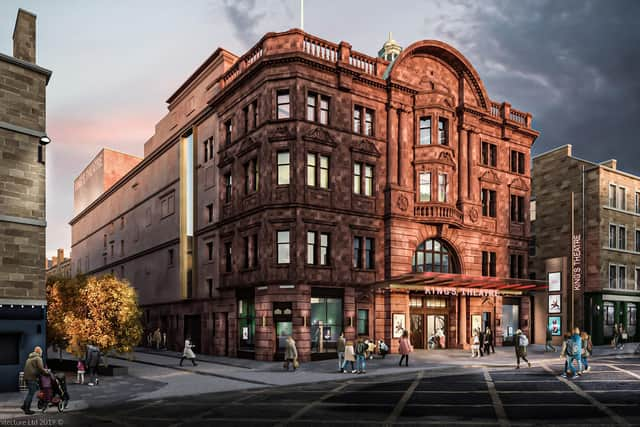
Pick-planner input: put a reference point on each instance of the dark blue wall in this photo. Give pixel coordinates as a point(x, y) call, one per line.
point(25, 322)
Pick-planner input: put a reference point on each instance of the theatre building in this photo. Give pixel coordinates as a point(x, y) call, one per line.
point(309, 189)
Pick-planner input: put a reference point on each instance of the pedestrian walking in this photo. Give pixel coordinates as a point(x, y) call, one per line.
point(574, 354)
point(548, 344)
point(405, 348)
point(563, 352)
point(150, 340)
point(80, 374)
point(91, 363)
point(521, 342)
point(488, 341)
point(475, 344)
point(164, 341)
point(340, 350)
point(587, 350)
point(157, 338)
point(188, 353)
point(622, 333)
point(291, 354)
point(615, 342)
point(349, 356)
point(383, 348)
point(361, 356)
point(481, 342)
point(33, 367)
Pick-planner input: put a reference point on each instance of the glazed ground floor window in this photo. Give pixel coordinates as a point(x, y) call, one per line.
point(631, 319)
point(608, 319)
point(510, 321)
point(246, 324)
point(326, 323)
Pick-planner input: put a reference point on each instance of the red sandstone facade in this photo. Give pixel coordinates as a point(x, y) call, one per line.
point(318, 174)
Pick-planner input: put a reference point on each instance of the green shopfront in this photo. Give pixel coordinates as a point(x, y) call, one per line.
point(604, 310)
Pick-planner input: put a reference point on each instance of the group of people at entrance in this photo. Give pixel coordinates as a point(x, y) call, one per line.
point(482, 342)
point(576, 349)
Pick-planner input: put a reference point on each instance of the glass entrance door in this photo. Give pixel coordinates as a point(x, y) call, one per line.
point(436, 326)
point(417, 330)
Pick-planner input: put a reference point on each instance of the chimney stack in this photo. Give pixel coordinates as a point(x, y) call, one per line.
point(24, 36)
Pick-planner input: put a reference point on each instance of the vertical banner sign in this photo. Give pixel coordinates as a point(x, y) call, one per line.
point(576, 257)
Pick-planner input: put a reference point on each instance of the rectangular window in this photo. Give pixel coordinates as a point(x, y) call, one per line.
point(246, 252)
point(369, 253)
point(227, 187)
point(357, 252)
point(311, 247)
point(41, 154)
point(167, 205)
point(283, 105)
point(637, 202)
point(311, 169)
point(613, 276)
point(121, 248)
point(609, 319)
point(363, 322)
point(368, 180)
point(245, 117)
point(622, 277)
point(228, 128)
point(622, 237)
point(637, 240)
point(443, 187)
point(488, 203)
point(254, 250)
point(283, 247)
point(622, 198)
point(325, 253)
point(170, 259)
point(612, 196)
point(425, 186)
point(311, 106)
point(489, 154)
point(283, 168)
point(425, 130)
point(254, 107)
point(210, 213)
point(324, 110)
point(228, 259)
point(516, 266)
point(637, 281)
point(517, 209)
point(357, 119)
point(517, 162)
point(324, 172)
point(443, 131)
point(489, 264)
point(208, 149)
point(612, 236)
point(210, 251)
point(357, 178)
point(368, 122)
point(210, 287)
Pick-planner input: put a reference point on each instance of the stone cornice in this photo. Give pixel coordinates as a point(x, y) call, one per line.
point(28, 65)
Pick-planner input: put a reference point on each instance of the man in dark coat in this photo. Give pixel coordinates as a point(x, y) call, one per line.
point(33, 368)
point(92, 360)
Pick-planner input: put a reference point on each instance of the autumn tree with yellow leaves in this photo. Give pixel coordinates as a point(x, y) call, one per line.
point(89, 310)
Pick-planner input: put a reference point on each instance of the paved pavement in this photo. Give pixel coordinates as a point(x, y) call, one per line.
point(156, 382)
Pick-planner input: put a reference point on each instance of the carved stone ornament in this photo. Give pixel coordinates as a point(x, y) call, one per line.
point(473, 214)
point(403, 202)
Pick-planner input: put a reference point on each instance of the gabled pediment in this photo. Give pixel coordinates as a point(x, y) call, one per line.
point(321, 136)
point(519, 184)
point(490, 176)
point(447, 158)
point(365, 147)
point(281, 133)
point(249, 144)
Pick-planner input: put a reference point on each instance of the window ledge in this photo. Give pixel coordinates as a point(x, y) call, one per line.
point(319, 266)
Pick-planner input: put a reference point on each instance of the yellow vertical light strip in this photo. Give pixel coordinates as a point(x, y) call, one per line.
point(183, 218)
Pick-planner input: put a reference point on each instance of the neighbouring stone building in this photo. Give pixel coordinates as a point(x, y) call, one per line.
point(22, 201)
point(600, 267)
point(305, 188)
point(58, 266)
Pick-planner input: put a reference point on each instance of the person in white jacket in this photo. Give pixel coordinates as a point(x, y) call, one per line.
point(188, 353)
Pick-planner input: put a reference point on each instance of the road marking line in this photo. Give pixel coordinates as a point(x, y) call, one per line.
point(393, 416)
point(633, 374)
point(595, 402)
point(313, 404)
point(495, 399)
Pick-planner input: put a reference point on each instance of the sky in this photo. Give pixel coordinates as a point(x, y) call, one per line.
point(574, 64)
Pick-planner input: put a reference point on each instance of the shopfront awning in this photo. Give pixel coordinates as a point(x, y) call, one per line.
point(453, 284)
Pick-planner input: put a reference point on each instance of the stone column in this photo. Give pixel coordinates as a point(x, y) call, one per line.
point(472, 174)
point(462, 323)
point(392, 145)
point(463, 179)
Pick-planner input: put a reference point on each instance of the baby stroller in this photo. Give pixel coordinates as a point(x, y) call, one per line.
point(53, 391)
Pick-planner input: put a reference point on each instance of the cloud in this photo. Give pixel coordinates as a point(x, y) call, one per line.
point(251, 19)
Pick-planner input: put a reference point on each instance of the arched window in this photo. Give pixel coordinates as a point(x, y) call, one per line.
point(433, 255)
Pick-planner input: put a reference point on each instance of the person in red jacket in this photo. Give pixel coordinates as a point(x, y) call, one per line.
point(405, 348)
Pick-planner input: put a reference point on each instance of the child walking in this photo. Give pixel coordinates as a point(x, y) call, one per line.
point(81, 369)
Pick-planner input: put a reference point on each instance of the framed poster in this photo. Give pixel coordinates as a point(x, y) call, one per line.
point(398, 324)
point(476, 322)
point(554, 303)
point(555, 326)
point(555, 281)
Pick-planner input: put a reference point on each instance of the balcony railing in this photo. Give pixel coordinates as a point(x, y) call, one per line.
point(438, 212)
point(504, 111)
point(320, 49)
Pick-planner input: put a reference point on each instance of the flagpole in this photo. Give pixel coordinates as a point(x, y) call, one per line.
point(302, 15)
